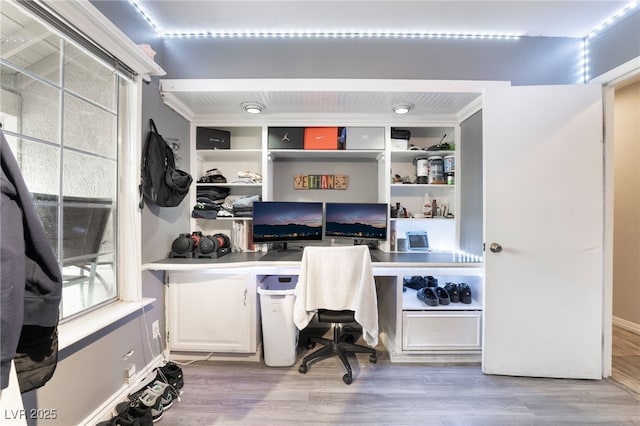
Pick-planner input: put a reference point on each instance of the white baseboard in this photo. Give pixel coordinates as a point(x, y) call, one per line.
point(105, 411)
point(627, 325)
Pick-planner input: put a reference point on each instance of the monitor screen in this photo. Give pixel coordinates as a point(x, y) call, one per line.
point(366, 221)
point(282, 221)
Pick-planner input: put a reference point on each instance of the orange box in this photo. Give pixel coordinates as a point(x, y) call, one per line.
point(321, 138)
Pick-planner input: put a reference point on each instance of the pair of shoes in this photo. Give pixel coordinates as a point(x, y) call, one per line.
point(132, 416)
point(454, 292)
point(166, 392)
point(428, 295)
point(443, 296)
point(465, 293)
point(147, 401)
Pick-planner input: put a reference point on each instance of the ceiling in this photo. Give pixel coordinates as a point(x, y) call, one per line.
point(575, 18)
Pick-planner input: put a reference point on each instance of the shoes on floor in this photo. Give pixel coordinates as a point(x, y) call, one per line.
point(454, 292)
point(132, 416)
point(465, 293)
point(428, 295)
point(443, 296)
point(148, 400)
point(171, 373)
point(166, 392)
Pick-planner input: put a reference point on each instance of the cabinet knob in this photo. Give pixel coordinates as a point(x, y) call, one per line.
point(495, 247)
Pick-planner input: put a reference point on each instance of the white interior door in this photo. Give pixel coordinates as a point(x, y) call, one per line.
point(543, 165)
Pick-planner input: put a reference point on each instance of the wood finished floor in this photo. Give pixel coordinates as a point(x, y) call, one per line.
point(626, 359)
point(245, 393)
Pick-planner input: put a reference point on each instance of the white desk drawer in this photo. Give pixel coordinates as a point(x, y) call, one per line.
point(441, 330)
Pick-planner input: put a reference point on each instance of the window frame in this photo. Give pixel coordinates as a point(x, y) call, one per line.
point(91, 25)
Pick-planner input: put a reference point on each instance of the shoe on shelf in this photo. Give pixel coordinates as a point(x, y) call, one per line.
point(415, 282)
point(465, 293)
point(148, 401)
point(431, 281)
point(428, 295)
point(454, 292)
point(443, 296)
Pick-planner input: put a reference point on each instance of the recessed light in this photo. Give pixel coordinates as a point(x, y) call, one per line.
point(401, 109)
point(253, 107)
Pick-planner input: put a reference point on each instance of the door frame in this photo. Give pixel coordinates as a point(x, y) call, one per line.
point(610, 81)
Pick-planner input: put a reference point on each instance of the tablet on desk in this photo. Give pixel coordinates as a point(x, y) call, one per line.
point(417, 241)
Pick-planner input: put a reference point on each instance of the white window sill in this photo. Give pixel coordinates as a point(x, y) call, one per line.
point(77, 329)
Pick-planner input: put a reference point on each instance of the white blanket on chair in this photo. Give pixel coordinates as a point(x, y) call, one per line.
point(338, 278)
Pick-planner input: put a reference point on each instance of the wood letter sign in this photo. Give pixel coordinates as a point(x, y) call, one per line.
point(320, 181)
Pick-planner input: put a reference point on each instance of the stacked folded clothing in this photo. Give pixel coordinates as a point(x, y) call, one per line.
point(209, 202)
point(243, 207)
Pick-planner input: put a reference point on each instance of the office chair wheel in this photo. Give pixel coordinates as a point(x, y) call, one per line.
point(373, 358)
point(303, 369)
point(347, 379)
point(311, 345)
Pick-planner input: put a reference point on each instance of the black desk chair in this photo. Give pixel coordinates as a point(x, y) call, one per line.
point(337, 285)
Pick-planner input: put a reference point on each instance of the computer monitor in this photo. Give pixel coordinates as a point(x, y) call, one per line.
point(357, 221)
point(286, 221)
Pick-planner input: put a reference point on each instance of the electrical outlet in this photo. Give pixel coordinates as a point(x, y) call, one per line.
point(155, 329)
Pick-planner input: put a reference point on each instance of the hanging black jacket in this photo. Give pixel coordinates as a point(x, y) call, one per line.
point(31, 283)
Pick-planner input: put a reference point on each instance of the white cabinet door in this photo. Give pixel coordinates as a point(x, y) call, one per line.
point(543, 164)
point(211, 312)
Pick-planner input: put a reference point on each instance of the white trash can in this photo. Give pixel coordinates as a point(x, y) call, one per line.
point(279, 333)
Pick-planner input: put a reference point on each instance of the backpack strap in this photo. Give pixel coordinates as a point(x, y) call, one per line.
point(143, 162)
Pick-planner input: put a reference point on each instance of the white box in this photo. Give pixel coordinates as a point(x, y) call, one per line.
point(365, 138)
point(399, 144)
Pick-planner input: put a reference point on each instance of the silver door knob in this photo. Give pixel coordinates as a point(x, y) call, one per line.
point(495, 247)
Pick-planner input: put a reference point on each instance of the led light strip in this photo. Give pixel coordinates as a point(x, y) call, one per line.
point(320, 34)
point(613, 19)
point(606, 24)
point(346, 34)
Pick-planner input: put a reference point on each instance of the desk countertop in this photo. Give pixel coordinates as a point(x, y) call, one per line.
point(380, 259)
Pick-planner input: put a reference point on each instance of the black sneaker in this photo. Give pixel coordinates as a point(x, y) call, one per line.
point(148, 400)
point(465, 293)
point(171, 373)
point(443, 296)
point(167, 393)
point(132, 416)
point(428, 295)
point(431, 281)
point(454, 293)
point(415, 282)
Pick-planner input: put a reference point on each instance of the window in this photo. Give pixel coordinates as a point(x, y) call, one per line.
point(62, 112)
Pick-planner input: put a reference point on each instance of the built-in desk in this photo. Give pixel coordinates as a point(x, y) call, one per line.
point(212, 305)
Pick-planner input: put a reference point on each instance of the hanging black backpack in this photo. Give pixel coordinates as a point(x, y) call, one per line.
point(160, 182)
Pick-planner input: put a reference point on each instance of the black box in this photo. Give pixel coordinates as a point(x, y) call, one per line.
point(286, 138)
point(208, 138)
point(400, 133)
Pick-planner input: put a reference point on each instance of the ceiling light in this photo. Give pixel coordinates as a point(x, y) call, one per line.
point(253, 107)
point(401, 109)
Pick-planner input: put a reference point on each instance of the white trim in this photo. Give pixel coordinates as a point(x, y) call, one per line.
point(76, 329)
point(627, 325)
point(88, 19)
point(326, 85)
point(620, 73)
